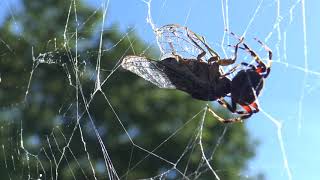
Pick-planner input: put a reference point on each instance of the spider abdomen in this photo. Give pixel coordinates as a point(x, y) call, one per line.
point(246, 86)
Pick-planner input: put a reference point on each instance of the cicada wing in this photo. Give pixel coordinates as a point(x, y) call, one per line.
point(176, 39)
point(150, 70)
point(168, 73)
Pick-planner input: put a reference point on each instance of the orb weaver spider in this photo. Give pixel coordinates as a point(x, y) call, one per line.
point(204, 79)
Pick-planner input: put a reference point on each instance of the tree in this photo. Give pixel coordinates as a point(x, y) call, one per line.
point(57, 70)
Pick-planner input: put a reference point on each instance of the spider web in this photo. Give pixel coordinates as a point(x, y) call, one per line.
point(283, 124)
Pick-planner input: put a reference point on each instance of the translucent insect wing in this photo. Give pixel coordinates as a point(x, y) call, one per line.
point(148, 69)
point(178, 39)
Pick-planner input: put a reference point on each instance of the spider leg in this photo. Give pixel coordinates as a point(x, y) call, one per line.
point(238, 119)
point(230, 71)
point(232, 120)
point(255, 106)
point(203, 52)
point(176, 56)
point(225, 62)
point(203, 41)
point(248, 109)
point(264, 68)
point(261, 67)
point(248, 65)
point(244, 114)
point(225, 104)
point(243, 63)
point(252, 53)
point(214, 55)
point(215, 115)
point(266, 48)
point(231, 108)
point(231, 61)
point(270, 57)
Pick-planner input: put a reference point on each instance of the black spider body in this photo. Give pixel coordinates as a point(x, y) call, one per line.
point(246, 86)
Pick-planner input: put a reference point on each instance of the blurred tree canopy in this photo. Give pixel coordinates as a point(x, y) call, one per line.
point(48, 75)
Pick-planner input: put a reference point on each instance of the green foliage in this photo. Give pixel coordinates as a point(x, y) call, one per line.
point(62, 92)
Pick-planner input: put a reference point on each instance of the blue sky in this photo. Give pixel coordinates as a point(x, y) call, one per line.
point(293, 88)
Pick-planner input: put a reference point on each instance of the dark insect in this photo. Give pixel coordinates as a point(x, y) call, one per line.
point(204, 79)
